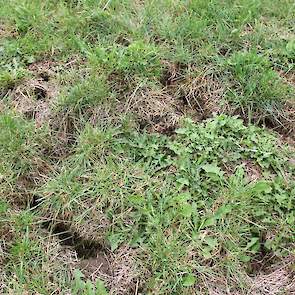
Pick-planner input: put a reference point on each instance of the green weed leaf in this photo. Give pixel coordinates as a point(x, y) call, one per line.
point(189, 280)
point(214, 169)
point(262, 187)
point(186, 210)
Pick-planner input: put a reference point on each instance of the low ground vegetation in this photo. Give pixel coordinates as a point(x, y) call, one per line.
point(147, 147)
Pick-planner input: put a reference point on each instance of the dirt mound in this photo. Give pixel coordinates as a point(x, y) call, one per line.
point(33, 99)
point(155, 110)
point(275, 279)
point(119, 270)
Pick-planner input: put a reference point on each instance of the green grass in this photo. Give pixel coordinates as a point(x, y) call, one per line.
point(257, 89)
point(205, 204)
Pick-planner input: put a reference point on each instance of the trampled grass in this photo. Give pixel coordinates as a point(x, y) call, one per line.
point(147, 147)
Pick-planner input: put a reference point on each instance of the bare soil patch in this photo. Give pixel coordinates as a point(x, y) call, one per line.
point(278, 278)
point(33, 99)
point(118, 269)
point(95, 266)
point(274, 279)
